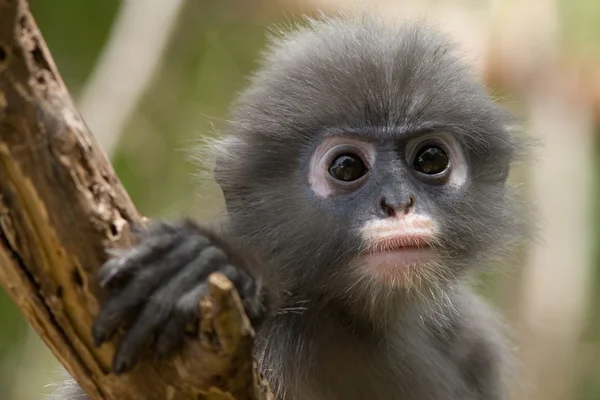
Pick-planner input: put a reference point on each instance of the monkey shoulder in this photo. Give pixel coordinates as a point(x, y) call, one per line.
point(477, 343)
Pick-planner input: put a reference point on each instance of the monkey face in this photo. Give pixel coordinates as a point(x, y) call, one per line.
point(369, 155)
point(390, 189)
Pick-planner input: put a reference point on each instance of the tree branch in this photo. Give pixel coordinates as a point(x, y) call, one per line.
point(61, 207)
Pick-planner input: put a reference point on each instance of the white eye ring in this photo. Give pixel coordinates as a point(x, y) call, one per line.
point(456, 172)
point(319, 178)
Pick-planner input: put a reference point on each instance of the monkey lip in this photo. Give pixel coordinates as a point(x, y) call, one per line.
point(399, 250)
point(399, 243)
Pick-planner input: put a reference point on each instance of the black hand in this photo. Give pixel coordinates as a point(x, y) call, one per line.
point(154, 289)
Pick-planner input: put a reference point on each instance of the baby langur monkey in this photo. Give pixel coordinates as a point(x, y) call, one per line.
point(364, 175)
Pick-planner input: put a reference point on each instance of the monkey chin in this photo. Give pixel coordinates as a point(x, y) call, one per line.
point(402, 268)
point(400, 258)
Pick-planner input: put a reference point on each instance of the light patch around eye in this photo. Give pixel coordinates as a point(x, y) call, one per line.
point(458, 163)
point(332, 146)
point(458, 175)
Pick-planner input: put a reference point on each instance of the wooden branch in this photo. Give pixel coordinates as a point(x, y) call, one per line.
point(61, 207)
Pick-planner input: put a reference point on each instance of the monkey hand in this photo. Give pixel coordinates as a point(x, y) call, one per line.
point(154, 289)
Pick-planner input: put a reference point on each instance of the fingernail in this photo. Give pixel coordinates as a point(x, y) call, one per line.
point(98, 337)
point(119, 366)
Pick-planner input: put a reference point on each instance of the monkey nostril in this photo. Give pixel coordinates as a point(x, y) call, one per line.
point(390, 210)
point(410, 204)
point(387, 209)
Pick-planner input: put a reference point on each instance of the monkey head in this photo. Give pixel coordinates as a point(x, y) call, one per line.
point(370, 158)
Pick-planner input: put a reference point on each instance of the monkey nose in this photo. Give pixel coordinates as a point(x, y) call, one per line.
point(391, 208)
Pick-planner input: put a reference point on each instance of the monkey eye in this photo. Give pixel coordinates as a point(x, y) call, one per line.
point(347, 167)
point(431, 160)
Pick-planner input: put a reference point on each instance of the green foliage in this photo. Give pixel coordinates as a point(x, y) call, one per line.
point(75, 32)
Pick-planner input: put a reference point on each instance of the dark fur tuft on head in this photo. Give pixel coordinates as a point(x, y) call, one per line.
point(357, 72)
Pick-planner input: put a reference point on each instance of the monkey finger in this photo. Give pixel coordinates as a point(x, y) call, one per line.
point(186, 311)
point(156, 228)
point(246, 288)
point(183, 320)
point(160, 306)
point(125, 262)
point(153, 242)
point(115, 310)
point(180, 228)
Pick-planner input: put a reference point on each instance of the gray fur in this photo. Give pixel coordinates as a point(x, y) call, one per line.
point(68, 390)
point(330, 337)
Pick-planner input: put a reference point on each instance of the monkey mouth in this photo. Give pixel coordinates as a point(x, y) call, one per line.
point(400, 242)
point(400, 250)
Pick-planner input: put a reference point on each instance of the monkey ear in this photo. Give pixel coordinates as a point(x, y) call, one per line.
point(226, 158)
point(515, 148)
point(521, 143)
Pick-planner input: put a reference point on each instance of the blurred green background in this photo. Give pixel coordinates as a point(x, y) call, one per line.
point(207, 59)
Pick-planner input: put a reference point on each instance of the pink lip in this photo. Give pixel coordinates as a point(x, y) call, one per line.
point(400, 243)
point(398, 250)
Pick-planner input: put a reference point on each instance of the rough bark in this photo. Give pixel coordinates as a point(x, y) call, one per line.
point(61, 208)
